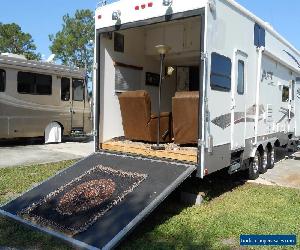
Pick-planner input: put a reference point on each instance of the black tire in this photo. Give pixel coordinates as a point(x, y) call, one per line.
point(263, 168)
point(253, 171)
point(271, 157)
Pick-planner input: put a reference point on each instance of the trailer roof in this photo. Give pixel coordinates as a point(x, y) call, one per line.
point(129, 13)
point(18, 62)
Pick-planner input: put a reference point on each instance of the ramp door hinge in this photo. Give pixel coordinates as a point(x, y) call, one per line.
point(204, 56)
point(94, 133)
point(201, 143)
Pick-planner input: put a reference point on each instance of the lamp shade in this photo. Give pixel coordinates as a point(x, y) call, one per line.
point(163, 49)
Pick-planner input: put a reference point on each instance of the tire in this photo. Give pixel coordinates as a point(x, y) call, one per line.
point(53, 133)
point(253, 171)
point(263, 168)
point(271, 158)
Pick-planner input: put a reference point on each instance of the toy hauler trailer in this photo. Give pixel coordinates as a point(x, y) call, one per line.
point(42, 99)
point(248, 78)
point(236, 80)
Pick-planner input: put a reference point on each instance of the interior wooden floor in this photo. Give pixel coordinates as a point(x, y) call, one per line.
point(172, 151)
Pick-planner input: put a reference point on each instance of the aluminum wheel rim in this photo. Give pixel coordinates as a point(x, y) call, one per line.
point(265, 160)
point(272, 157)
point(255, 164)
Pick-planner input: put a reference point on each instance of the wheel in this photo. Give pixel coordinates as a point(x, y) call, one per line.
point(53, 133)
point(263, 168)
point(253, 171)
point(271, 158)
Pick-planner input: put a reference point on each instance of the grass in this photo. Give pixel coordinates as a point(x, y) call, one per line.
point(231, 208)
point(14, 181)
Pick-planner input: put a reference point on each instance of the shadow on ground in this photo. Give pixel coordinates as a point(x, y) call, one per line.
point(40, 141)
point(211, 187)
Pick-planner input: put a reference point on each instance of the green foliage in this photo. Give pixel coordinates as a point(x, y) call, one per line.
point(14, 40)
point(72, 44)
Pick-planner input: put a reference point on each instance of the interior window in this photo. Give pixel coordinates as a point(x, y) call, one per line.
point(285, 94)
point(259, 36)
point(65, 89)
point(241, 77)
point(2, 80)
point(118, 42)
point(220, 76)
point(78, 90)
point(34, 84)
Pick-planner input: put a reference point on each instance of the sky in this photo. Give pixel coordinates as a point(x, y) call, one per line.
point(41, 18)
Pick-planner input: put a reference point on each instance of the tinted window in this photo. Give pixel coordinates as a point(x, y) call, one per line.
point(259, 36)
point(241, 77)
point(2, 80)
point(34, 84)
point(285, 94)
point(43, 84)
point(65, 89)
point(220, 77)
point(78, 90)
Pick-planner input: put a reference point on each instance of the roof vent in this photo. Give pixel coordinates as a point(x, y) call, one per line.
point(14, 56)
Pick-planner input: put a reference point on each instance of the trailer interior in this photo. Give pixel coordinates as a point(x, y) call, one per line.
point(130, 62)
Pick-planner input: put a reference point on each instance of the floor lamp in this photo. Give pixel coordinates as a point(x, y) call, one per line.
point(162, 51)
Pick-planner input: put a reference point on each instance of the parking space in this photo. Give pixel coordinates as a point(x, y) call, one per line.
point(286, 172)
point(16, 154)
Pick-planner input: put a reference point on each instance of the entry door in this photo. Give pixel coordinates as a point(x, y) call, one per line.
point(238, 103)
point(297, 106)
point(78, 103)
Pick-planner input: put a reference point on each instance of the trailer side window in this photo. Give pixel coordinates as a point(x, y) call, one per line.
point(220, 76)
point(241, 77)
point(2, 80)
point(65, 89)
point(34, 84)
point(78, 90)
point(259, 36)
point(285, 94)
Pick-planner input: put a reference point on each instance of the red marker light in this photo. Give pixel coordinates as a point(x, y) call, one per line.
point(143, 6)
point(150, 4)
point(137, 7)
point(99, 16)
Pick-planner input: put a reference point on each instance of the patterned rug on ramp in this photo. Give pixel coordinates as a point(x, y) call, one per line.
point(76, 206)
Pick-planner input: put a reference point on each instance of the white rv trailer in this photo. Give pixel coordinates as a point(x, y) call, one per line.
point(41, 99)
point(249, 88)
point(249, 103)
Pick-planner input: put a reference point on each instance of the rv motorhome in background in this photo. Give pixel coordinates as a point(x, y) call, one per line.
point(42, 99)
point(234, 97)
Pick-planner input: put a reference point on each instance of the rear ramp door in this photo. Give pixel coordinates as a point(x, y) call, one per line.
point(99, 200)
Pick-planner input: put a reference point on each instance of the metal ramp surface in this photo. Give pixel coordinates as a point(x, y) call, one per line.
point(108, 230)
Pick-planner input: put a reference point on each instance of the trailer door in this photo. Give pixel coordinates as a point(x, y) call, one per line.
point(96, 202)
point(238, 107)
point(297, 106)
point(78, 103)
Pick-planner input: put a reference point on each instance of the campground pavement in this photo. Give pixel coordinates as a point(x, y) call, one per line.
point(286, 172)
point(17, 154)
